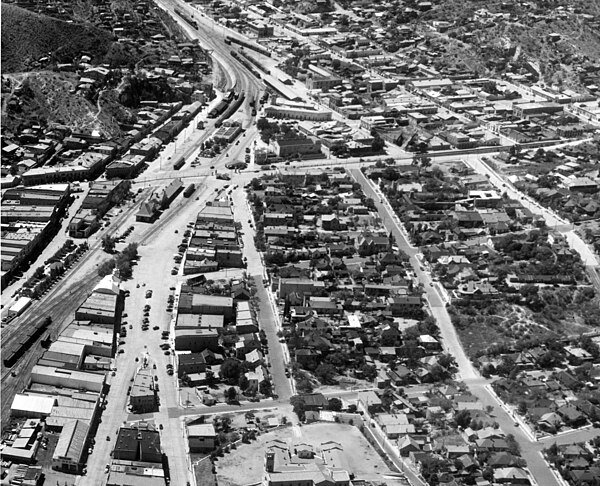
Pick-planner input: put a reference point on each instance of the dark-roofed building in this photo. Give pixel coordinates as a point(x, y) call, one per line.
point(315, 401)
point(138, 444)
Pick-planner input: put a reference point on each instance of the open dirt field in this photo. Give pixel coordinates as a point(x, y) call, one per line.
point(364, 460)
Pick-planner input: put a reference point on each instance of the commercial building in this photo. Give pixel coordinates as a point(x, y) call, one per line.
point(296, 147)
point(214, 212)
point(525, 110)
point(143, 394)
point(190, 363)
point(135, 473)
point(70, 447)
point(200, 321)
point(202, 437)
point(206, 304)
point(139, 443)
point(297, 112)
point(67, 378)
point(227, 133)
point(196, 340)
point(100, 308)
point(32, 406)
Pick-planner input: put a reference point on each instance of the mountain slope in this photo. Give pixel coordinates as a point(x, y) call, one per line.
point(27, 37)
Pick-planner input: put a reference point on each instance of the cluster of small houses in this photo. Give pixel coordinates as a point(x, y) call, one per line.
point(341, 289)
point(459, 223)
point(577, 463)
point(553, 400)
point(85, 154)
point(568, 185)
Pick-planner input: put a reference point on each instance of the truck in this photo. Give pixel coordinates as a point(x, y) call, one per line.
point(189, 190)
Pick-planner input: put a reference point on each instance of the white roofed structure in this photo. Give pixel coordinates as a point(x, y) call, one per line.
point(35, 406)
point(108, 285)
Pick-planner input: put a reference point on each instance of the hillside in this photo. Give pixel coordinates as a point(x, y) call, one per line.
point(27, 37)
point(48, 98)
point(560, 61)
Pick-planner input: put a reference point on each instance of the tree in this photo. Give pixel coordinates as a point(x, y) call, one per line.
point(421, 161)
point(265, 387)
point(106, 268)
point(231, 394)
point(243, 382)
point(299, 406)
point(108, 244)
point(377, 144)
point(131, 251)
point(326, 373)
point(513, 445)
point(447, 361)
point(522, 409)
point(231, 370)
point(334, 404)
point(387, 398)
point(123, 265)
point(263, 124)
point(463, 418)
point(369, 372)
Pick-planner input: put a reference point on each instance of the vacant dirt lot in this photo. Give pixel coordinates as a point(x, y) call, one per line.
point(365, 461)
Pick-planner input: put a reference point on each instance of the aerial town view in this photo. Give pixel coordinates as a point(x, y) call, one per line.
point(300, 243)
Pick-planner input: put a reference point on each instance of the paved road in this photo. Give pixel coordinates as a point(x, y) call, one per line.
point(267, 313)
point(152, 274)
point(467, 372)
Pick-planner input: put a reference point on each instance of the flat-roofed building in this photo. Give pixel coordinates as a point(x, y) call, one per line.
point(208, 304)
point(138, 444)
point(69, 449)
point(196, 340)
point(32, 406)
point(200, 321)
point(201, 437)
point(143, 395)
point(67, 378)
point(524, 110)
point(215, 213)
point(98, 307)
